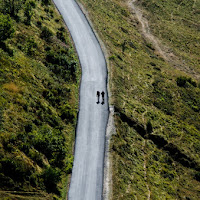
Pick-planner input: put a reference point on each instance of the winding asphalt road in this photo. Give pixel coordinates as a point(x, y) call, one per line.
point(87, 174)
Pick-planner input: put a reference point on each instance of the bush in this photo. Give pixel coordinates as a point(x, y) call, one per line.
point(11, 7)
point(6, 181)
point(181, 81)
point(32, 3)
point(6, 48)
point(28, 13)
point(31, 46)
point(46, 2)
point(62, 29)
point(46, 10)
point(58, 59)
point(67, 113)
point(58, 62)
point(51, 177)
point(15, 169)
point(61, 36)
point(6, 27)
point(46, 34)
point(39, 23)
point(149, 127)
point(51, 143)
point(192, 82)
point(197, 176)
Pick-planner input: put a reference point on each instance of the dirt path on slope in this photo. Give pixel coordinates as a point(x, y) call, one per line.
point(165, 52)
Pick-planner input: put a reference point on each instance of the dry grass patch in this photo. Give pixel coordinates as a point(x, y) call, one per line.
point(11, 87)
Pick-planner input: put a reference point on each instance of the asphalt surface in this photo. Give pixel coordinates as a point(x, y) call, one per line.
point(87, 174)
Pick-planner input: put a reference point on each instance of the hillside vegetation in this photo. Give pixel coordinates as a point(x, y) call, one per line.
point(39, 80)
point(155, 151)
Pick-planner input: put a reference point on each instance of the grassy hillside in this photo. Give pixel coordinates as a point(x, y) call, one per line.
point(39, 80)
point(176, 23)
point(155, 151)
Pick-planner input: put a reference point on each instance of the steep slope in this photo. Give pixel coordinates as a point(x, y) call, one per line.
point(155, 151)
point(39, 80)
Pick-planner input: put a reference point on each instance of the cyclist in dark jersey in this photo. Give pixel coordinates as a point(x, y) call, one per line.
point(98, 95)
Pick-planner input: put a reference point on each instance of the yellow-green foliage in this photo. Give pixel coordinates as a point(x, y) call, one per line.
point(147, 90)
point(39, 80)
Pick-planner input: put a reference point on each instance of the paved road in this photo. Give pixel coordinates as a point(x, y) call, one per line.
point(87, 173)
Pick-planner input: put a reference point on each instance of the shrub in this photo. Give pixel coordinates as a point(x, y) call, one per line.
point(60, 36)
point(62, 29)
point(197, 176)
point(67, 113)
point(15, 169)
point(182, 80)
point(6, 27)
point(46, 10)
point(59, 59)
point(51, 177)
point(32, 3)
point(51, 143)
point(59, 63)
point(6, 48)
point(28, 13)
point(46, 2)
point(149, 127)
point(28, 128)
point(69, 165)
point(46, 34)
point(51, 13)
point(192, 82)
point(47, 48)
point(39, 23)
point(11, 7)
point(31, 46)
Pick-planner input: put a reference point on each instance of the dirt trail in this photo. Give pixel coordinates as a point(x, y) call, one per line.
point(165, 52)
point(146, 30)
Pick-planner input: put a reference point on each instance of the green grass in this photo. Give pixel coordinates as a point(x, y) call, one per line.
point(144, 88)
point(176, 23)
point(39, 84)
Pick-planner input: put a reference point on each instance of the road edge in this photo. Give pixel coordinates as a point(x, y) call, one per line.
point(110, 129)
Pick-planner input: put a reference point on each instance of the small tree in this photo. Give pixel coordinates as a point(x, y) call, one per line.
point(6, 27)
